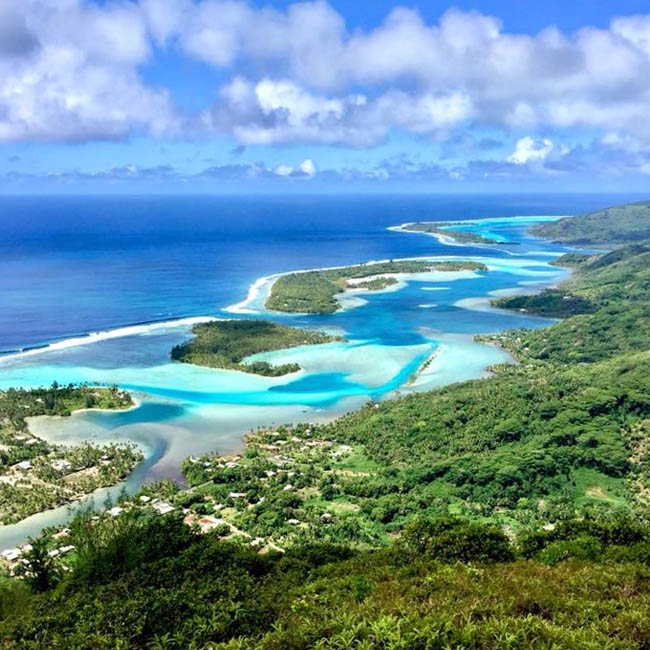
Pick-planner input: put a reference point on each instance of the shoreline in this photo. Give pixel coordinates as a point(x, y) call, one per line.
point(256, 288)
point(74, 502)
point(450, 240)
point(104, 335)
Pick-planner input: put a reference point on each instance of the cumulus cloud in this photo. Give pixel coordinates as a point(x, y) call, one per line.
point(307, 167)
point(16, 39)
point(528, 149)
point(71, 73)
point(71, 70)
point(619, 158)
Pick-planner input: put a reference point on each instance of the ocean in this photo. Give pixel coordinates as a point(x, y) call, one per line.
point(70, 265)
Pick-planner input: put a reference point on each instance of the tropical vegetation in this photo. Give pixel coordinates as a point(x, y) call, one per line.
point(619, 224)
point(36, 475)
point(227, 343)
point(315, 292)
point(506, 512)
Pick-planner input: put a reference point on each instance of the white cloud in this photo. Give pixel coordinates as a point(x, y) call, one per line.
point(283, 170)
point(80, 80)
point(71, 70)
point(307, 167)
point(528, 150)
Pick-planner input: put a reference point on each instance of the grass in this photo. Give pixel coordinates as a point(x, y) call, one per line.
point(594, 487)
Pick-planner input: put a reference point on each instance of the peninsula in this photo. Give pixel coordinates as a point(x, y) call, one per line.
point(444, 229)
point(315, 292)
point(619, 224)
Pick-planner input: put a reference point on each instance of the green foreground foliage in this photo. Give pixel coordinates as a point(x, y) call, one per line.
point(150, 582)
point(314, 292)
point(226, 343)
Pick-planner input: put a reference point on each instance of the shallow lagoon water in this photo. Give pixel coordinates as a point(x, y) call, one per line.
point(190, 410)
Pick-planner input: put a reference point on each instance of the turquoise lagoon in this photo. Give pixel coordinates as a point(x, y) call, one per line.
point(185, 410)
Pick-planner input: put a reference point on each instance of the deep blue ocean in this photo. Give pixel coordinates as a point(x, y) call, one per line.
point(73, 265)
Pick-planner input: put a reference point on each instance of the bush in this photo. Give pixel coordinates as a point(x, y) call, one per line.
point(450, 539)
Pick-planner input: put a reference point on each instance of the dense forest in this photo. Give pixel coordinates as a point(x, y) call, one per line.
point(314, 292)
point(507, 512)
point(616, 225)
point(226, 343)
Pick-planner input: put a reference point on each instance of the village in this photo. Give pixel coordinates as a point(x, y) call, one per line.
point(288, 486)
point(37, 475)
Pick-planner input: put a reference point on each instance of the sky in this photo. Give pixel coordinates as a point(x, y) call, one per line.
point(214, 96)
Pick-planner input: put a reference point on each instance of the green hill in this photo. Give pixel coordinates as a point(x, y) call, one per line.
point(615, 225)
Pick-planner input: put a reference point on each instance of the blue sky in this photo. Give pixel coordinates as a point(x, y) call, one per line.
point(231, 96)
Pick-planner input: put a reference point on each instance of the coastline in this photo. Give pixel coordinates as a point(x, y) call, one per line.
point(450, 240)
point(11, 535)
point(104, 335)
point(255, 290)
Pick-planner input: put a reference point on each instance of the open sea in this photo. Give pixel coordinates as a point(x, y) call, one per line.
point(122, 276)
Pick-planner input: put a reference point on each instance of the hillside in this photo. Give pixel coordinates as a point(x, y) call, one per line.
point(152, 583)
point(615, 225)
point(613, 293)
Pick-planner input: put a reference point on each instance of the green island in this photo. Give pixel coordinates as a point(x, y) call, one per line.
point(314, 292)
point(36, 475)
point(459, 236)
point(227, 343)
point(619, 224)
point(506, 512)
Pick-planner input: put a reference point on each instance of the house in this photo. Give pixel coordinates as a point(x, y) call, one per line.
point(237, 495)
point(115, 511)
point(163, 507)
point(61, 465)
point(24, 465)
point(10, 554)
point(207, 523)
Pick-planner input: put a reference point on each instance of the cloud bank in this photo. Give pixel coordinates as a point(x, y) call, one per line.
point(73, 71)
